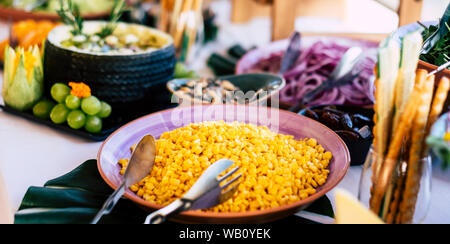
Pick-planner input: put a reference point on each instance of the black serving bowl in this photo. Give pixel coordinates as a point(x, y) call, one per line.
point(360, 148)
point(245, 82)
point(119, 79)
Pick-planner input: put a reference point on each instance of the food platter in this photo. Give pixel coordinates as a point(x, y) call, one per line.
point(107, 130)
point(270, 52)
point(127, 85)
point(117, 146)
point(119, 85)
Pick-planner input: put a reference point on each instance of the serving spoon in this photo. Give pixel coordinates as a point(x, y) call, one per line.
point(140, 165)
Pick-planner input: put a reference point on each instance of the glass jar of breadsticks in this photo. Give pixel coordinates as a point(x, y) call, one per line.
point(407, 199)
point(183, 20)
point(396, 179)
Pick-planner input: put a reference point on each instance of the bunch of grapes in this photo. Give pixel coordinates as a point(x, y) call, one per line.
point(86, 112)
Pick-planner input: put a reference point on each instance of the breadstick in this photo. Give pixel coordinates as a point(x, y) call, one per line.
point(399, 186)
point(181, 25)
point(177, 5)
point(375, 159)
point(164, 17)
point(438, 106)
point(397, 197)
point(415, 166)
point(436, 109)
point(384, 177)
point(393, 208)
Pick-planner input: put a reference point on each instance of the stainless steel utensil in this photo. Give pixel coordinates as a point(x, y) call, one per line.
point(292, 53)
point(266, 90)
point(442, 30)
point(289, 59)
point(344, 72)
point(139, 166)
point(206, 192)
point(439, 69)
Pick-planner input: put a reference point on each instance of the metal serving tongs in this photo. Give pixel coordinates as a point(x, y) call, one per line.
point(346, 71)
point(206, 192)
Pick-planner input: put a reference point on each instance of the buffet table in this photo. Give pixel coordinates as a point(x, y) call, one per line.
point(31, 154)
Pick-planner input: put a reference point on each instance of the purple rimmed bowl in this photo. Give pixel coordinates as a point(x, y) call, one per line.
point(117, 147)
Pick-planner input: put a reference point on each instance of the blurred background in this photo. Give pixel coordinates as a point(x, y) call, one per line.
point(272, 19)
point(203, 31)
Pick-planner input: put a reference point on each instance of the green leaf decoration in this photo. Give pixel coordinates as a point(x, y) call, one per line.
point(75, 198)
point(86, 177)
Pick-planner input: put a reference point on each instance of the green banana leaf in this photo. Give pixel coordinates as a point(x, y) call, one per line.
point(76, 197)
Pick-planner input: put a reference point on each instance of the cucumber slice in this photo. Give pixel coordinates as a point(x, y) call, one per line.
point(388, 65)
point(389, 60)
point(411, 47)
point(388, 68)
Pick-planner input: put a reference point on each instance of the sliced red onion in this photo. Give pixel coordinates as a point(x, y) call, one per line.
point(315, 64)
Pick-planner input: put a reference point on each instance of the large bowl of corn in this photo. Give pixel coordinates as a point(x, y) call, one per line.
point(287, 161)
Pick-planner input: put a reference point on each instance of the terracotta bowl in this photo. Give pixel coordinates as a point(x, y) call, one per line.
point(431, 67)
point(117, 147)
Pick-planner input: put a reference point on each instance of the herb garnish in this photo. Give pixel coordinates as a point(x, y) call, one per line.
point(71, 16)
point(116, 14)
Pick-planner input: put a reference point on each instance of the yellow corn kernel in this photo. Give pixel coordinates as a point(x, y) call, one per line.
point(327, 156)
point(312, 142)
point(276, 169)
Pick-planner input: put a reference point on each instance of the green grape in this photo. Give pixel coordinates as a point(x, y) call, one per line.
point(73, 102)
point(93, 124)
point(91, 105)
point(76, 119)
point(43, 109)
point(182, 72)
point(59, 92)
point(59, 114)
point(105, 112)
